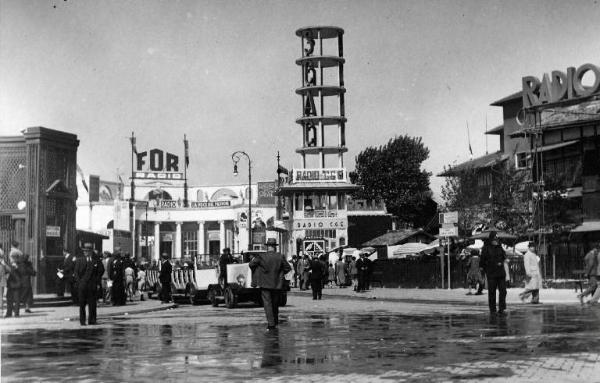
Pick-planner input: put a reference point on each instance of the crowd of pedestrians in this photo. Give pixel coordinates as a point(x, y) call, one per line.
point(16, 271)
point(317, 273)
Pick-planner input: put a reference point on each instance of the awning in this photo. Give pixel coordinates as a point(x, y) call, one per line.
point(587, 227)
point(559, 145)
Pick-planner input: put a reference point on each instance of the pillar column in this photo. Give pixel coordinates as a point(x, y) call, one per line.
point(201, 241)
point(178, 247)
point(221, 235)
point(156, 256)
point(139, 241)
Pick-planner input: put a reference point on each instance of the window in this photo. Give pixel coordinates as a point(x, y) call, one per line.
point(190, 243)
point(333, 205)
point(308, 203)
point(297, 202)
point(341, 201)
point(522, 160)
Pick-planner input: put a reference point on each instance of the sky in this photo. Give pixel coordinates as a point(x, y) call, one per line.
point(224, 74)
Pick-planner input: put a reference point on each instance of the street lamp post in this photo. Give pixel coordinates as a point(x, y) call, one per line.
point(236, 157)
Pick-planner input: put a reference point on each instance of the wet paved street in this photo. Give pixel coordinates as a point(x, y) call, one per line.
point(327, 340)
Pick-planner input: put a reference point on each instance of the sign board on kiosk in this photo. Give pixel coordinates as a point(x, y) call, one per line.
point(449, 217)
point(449, 231)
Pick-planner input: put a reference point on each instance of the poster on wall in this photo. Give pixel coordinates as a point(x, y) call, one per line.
point(265, 193)
point(121, 215)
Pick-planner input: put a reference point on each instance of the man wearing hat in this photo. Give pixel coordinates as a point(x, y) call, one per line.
point(225, 259)
point(88, 277)
point(165, 278)
point(268, 270)
point(492, 262)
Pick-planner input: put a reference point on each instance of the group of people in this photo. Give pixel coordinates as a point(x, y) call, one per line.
point(88, 277)
point(317, 273)
point(16, 271)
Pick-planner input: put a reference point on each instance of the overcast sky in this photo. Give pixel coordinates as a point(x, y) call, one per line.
point(224, 73)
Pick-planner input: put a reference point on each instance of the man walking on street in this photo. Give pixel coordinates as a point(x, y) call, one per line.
point(165, 279)
point(493, 258)
point(268, 271)
point(88, 276)
point(316, 277)
point(591, 265)
point(596, 296)
point(531, 262)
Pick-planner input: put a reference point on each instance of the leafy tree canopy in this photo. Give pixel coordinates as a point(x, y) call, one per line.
point(392, 173)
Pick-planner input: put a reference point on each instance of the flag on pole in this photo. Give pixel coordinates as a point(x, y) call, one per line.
point(133, 145)
point(469, 138)
point(80, 172)
point(282, 170)
point(187, 151)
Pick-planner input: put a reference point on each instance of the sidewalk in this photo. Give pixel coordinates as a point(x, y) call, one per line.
point(433, 296)
point(46, 312)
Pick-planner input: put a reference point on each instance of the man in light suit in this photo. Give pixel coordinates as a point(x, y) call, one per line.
point(268, 272)
point(88, 277)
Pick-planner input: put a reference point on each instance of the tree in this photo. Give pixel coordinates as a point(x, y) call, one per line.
point(393, 173)
point(501, 202)
point(459, 194)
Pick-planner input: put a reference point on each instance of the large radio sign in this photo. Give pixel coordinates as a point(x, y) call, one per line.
point(157, 164)
point(319, 175)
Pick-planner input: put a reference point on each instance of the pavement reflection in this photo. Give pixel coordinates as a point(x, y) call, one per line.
point(203, 348)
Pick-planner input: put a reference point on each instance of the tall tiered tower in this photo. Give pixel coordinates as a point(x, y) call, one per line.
point(316, 192)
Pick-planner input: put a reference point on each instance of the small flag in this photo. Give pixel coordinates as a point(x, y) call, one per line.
point(282, 170)
point(80, 172)
point(133, 146)
point(120, 179)
point(469, 138)
point(187, 151)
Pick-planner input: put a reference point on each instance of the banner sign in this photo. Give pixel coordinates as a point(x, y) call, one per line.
point(265, 193)
point(53, 231)
point(319, 175)
point(158, 176)
point(559, 86)
point(324, 223)
point(157, 164)
point(172, 204)
point(121, 215)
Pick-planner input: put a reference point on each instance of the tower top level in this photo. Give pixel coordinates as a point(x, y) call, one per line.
point(323, 119)
point(324, 32)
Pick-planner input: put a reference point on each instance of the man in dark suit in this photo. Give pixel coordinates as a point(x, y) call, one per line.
point(317, 271)
point(88, 276)
point(492, 261)
point(117, 275)
point(225, 259)
point(165, 279)
point(268, 270)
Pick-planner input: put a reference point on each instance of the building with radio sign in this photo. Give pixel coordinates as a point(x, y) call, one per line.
point(37, 198)
point(550, 135)
point(156, 220)
point(316, 193)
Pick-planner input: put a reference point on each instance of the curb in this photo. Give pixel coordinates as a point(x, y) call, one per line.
point(427, 301)
point(118, 314)
point(401, 300)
